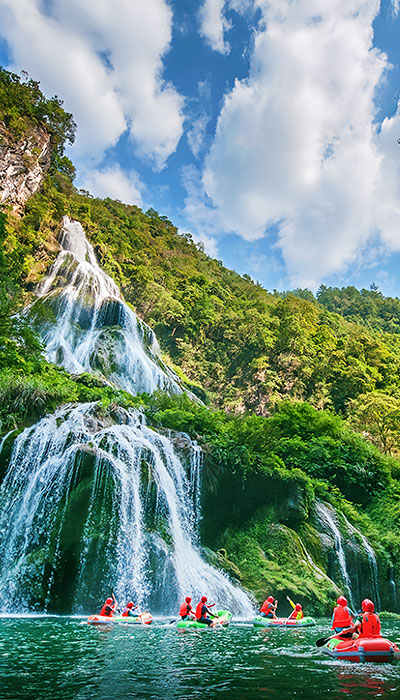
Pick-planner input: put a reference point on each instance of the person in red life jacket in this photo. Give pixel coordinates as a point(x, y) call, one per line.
point(109, 608)
point(203, 611)
point(342, 617)
point(370, 626)
point(297, 612)
point(186, 610)
point(128, 611)
point(268, 607)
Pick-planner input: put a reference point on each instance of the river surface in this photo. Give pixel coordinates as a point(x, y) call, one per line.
point(62, 658)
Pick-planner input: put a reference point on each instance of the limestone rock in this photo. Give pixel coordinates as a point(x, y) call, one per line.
point(23, 165)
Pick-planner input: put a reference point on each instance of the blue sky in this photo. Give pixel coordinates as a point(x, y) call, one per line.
point(266, 129)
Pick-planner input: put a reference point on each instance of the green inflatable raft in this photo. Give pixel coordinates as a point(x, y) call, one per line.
point(260, 621)
point(222, 620)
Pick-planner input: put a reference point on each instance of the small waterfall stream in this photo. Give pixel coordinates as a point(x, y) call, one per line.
point(394, 589)
point(373, 565)
point(93, 500)
point(325, 513)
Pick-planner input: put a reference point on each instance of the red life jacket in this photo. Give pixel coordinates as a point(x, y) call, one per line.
point(185, 609)
point(371, 625)
point(107, 610)
point(127, 612)
point(296, 615)
point(267, 607)
point(199, 609)
point(341, 617)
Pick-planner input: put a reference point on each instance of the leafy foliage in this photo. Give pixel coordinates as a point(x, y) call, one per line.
point(378, 415)
point(22, 104)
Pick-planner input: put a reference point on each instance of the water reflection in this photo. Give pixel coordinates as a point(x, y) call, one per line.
point(364, 681)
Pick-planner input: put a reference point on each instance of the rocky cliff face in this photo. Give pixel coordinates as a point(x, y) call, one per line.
point(23, 163)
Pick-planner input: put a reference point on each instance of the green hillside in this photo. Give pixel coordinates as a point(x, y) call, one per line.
point(301, 394)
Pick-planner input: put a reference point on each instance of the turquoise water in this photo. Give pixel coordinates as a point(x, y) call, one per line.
point(63, 658)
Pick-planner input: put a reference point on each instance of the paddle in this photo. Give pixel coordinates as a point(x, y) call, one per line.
point(324, 640)
point(293, 606)
point(115, 603)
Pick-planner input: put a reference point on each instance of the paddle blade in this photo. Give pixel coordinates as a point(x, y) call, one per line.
point(322, 641)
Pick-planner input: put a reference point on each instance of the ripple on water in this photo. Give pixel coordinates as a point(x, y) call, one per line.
point(61, 659)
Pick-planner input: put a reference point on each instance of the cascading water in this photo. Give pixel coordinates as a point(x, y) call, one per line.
point(88, 326)
point(95, 499)
point(394, 589)
point(325, 514)
point(373, 565)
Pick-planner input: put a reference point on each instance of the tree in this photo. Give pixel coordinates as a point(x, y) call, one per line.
point(377, 415)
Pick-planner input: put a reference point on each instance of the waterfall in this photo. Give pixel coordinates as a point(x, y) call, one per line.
point(394, 589)
point(373, 566)
point(325, 513)
point(372, 563)
point(88, 327)
point(94, 499)
point(139, 510)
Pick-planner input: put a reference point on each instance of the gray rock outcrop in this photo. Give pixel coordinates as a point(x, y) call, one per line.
point(23, 164)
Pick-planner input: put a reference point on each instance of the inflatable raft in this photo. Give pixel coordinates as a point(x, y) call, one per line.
point(142, 619)
point(261, 621)
point(375, 649)
point(223, 620)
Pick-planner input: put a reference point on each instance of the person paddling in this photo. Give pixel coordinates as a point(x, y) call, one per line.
point(128, 610)
point(268, 608)
point(342, 617)
point(109, 607)
point(297, 612)
point(370, 625)
point(203, 611)
point(186, 610)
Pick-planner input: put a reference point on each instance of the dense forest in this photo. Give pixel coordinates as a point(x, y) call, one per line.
point(300, 394)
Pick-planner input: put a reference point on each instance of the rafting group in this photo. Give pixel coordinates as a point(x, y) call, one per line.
point(356, 636)
point(200, 616)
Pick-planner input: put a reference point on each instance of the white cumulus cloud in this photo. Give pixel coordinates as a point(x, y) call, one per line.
point(296, 145)
point(104, 57)
point(115, 183)
point(214, 24)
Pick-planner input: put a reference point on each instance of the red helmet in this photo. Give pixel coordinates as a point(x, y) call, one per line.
point(188, 599)
point(109, 601)
point(129, 605)
point(367, 605)
point(298, 607)
point(203, 599)
point(342, 600)
point(270, 599)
